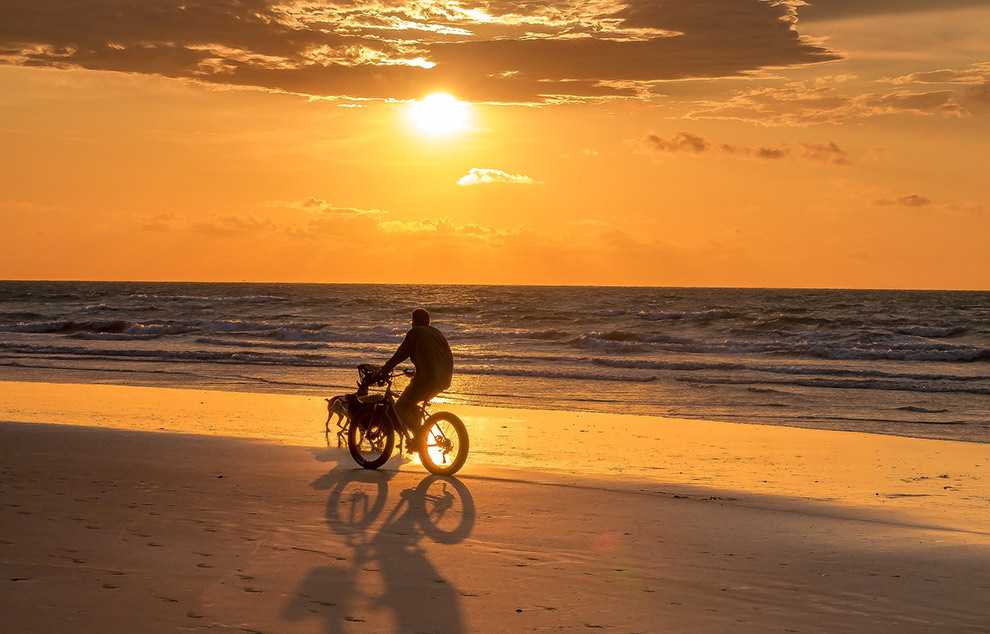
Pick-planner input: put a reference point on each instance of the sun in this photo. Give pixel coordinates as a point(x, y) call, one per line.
point(439, 113)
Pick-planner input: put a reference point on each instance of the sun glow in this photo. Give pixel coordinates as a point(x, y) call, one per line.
point(439, 113)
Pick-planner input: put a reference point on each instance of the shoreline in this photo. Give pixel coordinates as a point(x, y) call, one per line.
point(131, 378)
point(926, 483)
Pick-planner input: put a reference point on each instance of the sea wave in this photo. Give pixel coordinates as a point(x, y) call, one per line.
point(237, 343)
point(867, 346)
point(788, 321)
point(113, 336)
point(669, 365)
point(801, 370)
point(931, 331)
point(704, 314)
point(158, 354)
point(904, 353)
point(103, 307)
point(154, 327)
point(21, 315)
point(206, 299)
point(548, 335)
point(866, 384)
point(331, 336)
point(67, 326)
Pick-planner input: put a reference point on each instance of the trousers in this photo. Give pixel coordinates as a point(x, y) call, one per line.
point(408, 404)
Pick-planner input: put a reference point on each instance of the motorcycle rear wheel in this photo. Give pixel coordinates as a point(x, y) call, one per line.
point(370, 440)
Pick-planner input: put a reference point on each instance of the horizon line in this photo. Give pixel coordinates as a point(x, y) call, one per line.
point(534, 285)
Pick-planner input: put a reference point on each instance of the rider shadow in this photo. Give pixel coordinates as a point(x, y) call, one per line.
point(386, 555)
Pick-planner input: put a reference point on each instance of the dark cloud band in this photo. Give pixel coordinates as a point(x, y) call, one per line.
point(520, 51)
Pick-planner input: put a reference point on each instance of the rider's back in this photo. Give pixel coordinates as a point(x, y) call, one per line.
point(431, 355)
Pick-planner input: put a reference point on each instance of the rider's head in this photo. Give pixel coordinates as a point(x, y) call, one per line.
point(420, 317)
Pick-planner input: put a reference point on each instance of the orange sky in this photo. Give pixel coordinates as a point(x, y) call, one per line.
point(695, 142)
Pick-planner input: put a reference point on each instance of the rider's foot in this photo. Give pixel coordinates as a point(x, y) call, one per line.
point(414, 443)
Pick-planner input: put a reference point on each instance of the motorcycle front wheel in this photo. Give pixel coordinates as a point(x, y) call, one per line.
point(443, 444)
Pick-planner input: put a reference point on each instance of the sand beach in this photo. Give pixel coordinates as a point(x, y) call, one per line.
point(162, 510)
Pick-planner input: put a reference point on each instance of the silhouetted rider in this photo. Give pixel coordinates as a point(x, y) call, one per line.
point(430, 353)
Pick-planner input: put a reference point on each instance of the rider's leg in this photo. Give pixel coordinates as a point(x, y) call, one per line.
point(407, 407)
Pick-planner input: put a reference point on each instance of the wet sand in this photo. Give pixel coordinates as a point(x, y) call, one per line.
point(106, 530)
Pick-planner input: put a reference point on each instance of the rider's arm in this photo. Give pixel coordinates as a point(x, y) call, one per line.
point(403, 353)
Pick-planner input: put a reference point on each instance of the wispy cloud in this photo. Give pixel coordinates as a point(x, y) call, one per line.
point(827, 152)
point(323, 207)
point(979, 93)
point(912, 200)
point(844, 9)
point(487, 176)
point(976, 74)
point(810, 103)
point(680, 142)
point(689, 143)
point(233, 226)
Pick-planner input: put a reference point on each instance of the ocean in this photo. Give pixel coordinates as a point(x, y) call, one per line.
point(911, 363)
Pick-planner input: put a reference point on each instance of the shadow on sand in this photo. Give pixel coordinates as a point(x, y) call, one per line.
point(386, 569)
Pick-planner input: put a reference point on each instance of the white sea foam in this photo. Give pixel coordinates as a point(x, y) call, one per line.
point(704, 314)
point(204, 299)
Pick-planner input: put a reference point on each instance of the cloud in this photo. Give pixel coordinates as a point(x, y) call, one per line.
point(486, 176)
point(680, 142)
point(480, 50)
point(320, 206)
point(233, 226)
point(160, 223)
point(687, 142)
point(912, 200)
point(970, 207)
point(976, 74)
point(744, 151)
point(443, 226)
point(825, 153)
point(979, 93)
point(808, 103)
point(843, 9)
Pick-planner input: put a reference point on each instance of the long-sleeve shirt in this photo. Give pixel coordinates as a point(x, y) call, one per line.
point(430, 353)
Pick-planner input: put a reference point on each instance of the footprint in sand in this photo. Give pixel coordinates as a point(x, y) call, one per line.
point(154, 545)
point(203, 566)
point(110, 586)
point(253, 590)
